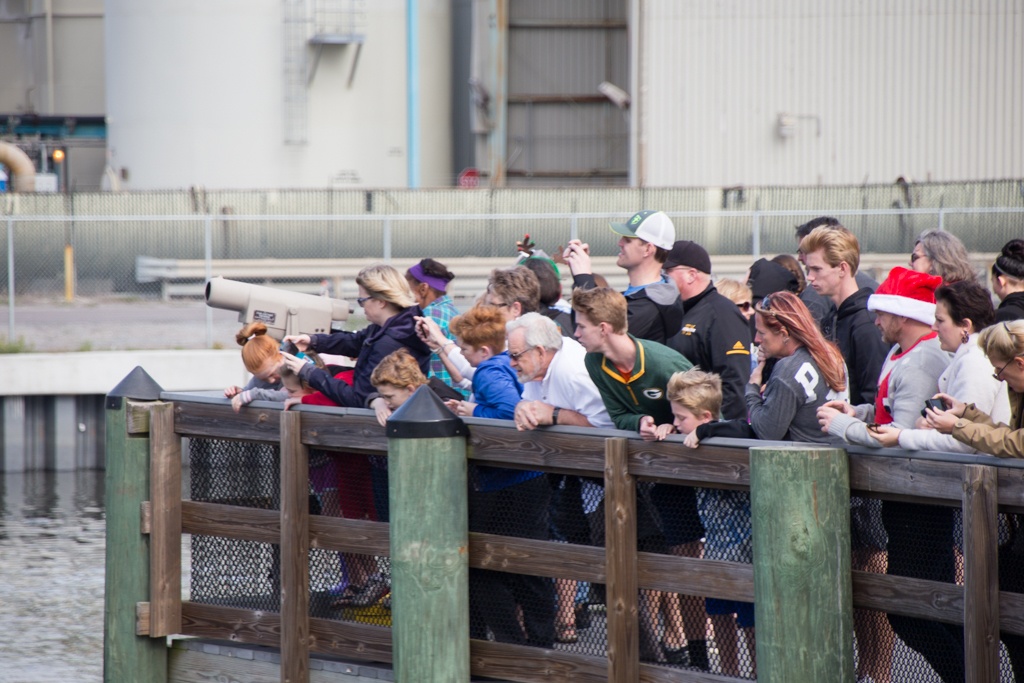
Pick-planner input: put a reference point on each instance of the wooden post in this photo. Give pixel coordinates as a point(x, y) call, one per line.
point(800, 503)
point(429, 542)
point(165, 529)
point(126, 656)
point(294, 551)
point(620, 563)
point(981, 575)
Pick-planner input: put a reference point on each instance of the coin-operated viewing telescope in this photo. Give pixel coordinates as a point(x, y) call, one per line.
point(283, 312)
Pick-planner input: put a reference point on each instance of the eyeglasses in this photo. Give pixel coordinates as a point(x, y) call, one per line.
point(914, 256)
point(363, 299)
point(498, 305)
point(744, 306)
point(998, 374)
point(517, 356)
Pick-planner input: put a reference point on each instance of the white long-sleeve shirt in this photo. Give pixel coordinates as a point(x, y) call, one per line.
point(969, 379)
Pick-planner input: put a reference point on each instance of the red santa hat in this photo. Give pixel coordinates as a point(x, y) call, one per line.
point(907, 293)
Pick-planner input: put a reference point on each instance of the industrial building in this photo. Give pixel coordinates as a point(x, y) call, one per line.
point(280, 94)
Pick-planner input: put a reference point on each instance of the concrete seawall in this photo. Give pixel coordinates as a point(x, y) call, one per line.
point(53, 416)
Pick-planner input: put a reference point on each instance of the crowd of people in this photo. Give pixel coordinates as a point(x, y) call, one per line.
point(806, 349)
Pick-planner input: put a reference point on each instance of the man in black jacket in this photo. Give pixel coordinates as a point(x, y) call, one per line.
point(715, 336)
point(653, 308)
point(831, 255)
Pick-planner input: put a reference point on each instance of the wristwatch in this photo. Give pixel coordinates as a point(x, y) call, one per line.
point(554, 415)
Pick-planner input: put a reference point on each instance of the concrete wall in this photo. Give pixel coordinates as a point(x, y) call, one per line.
point(97, 372)
point(51, 406)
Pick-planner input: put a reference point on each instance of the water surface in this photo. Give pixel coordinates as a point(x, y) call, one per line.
point(52, 549)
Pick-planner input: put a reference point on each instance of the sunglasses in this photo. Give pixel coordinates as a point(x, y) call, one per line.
point(362, 300)
point(744, 306)
point(765, 306)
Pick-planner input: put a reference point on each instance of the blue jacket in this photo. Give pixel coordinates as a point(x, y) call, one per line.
point(368, 346)
point(496, 391)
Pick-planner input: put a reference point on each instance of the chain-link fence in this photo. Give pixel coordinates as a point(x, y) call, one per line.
point(88, 244)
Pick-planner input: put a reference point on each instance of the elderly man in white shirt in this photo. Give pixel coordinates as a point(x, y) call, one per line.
point(556, 386)
point(557, 390)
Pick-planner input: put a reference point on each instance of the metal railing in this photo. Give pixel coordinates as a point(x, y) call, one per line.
point(63, 258)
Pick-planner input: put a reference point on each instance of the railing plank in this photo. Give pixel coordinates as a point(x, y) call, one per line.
point(508, 662)
point(620, 558)
point(553, 450)
point(539, 558)
point(359, 433)
point(349, 535)
point(230, 521)
point(1011, 612)
point(294, 552)
point(919, 598)
point(692, 576)
point(217, 421)
point(931, 481)
point(165, 523)
point(671, 462)
point(981, 576)
point(256, 627)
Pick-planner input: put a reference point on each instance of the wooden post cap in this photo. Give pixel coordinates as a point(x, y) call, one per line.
point(425, 416)
point(137, 385)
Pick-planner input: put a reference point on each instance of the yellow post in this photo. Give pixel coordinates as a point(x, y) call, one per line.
point(69, 273)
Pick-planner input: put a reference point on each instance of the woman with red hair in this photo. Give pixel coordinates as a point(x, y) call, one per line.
point(808, 372)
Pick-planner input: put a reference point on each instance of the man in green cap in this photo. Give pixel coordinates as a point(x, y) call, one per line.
point(655, 311)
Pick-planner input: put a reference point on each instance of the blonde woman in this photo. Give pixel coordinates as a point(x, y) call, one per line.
point(391, 310)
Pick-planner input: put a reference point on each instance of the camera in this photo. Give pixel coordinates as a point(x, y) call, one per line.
point(283, 312)
point(935, 403)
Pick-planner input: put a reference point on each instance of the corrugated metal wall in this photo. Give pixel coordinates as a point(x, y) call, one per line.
point(873, 90)
point(560, 128)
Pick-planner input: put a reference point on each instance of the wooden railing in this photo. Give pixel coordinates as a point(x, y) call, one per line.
point(977, 483)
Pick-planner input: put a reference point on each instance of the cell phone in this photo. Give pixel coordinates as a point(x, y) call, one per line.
point(290, 347)
point(935, 403)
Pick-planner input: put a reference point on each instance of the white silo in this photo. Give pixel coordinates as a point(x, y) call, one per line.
point(273, 94)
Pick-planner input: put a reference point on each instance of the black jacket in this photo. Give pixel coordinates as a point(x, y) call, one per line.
point(861, 344)
point(654, 312)
point(1012, 308)
point(821, 307)
point(368, 346)
point(716, 337)
point(561, 318)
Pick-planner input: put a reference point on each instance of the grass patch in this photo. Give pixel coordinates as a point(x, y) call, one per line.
point(18, 346)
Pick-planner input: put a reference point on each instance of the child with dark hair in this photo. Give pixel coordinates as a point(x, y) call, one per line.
point(429, 280)
point(1008, 281)
point(550, 292)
